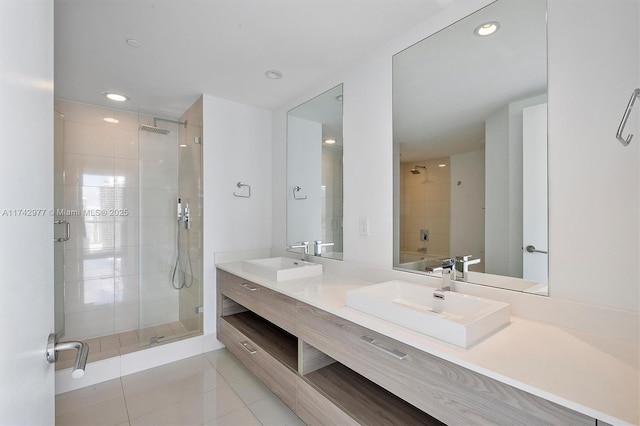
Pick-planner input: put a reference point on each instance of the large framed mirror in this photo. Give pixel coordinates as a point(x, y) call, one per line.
point(314, 175)
point(470, 147)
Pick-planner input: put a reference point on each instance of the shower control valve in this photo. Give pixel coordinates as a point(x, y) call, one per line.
point(187, 217)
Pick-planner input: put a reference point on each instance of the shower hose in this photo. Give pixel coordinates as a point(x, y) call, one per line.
point(179, 278)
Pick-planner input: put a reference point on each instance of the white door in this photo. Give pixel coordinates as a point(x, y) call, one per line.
point(534, 193)
point(26, 195)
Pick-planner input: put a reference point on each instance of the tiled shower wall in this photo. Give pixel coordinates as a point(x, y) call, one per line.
point(118, 188)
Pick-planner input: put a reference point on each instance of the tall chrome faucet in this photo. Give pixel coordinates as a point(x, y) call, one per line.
point(304, 245)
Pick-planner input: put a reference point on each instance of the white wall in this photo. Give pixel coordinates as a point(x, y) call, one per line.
point(594, 231)
point(498, 193)
point(593, 179)
point(236, 148)
point(467, 205)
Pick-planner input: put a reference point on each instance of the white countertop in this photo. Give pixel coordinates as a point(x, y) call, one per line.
point(596, 376)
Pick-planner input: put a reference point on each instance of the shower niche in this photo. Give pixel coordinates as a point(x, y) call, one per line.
point(128, 268)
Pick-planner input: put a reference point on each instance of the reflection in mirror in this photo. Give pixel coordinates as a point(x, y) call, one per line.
point(314, 175)
point(470, 148)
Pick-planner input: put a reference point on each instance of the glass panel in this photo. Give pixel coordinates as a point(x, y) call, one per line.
point(170, 175)
point(120, 283)
point(59, 228)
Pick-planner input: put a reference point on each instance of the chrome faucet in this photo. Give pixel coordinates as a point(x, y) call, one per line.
point(462, 265)
point(304, 245)
point(448, 277)
point(317, 247)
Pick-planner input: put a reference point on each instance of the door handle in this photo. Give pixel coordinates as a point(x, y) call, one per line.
point(532, 249)
point(53, 347)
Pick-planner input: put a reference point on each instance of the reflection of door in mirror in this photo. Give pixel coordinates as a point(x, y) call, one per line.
point(470, 140)
point(534, 194)
point(314, 174)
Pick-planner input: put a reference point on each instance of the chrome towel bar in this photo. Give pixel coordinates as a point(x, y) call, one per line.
point(240, 185)
point(625, 117)
point(297, 189)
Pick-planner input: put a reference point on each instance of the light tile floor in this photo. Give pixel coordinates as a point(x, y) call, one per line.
point(209, 389)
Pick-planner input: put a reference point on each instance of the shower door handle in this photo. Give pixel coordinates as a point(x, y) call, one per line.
point(53, 347)
point(67, 234)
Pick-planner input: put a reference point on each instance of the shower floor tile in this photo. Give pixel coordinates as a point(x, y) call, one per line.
point(193, 391)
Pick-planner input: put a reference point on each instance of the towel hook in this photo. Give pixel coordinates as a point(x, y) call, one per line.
point(295, 197)
point(240, 185)
point(625, 117)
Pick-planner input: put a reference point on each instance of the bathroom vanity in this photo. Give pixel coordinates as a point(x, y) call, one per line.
point(334, 365)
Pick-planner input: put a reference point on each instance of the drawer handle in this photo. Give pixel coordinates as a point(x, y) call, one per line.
point(393, 352)
point(248, 347)
point(248, 287)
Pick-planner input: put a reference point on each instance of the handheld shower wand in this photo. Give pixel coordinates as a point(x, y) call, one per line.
point(180, 278)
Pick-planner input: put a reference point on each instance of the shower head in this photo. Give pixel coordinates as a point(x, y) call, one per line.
point(154, 129)
point(415, 170)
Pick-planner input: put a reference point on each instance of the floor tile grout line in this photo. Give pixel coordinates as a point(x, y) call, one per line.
point(126, 406)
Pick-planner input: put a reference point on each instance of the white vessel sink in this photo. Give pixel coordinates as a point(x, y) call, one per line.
point(282, 268)
point(462, 320)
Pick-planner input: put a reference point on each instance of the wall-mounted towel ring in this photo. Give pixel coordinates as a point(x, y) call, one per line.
point(240, 185)
point(625, 117)
point(295, 190)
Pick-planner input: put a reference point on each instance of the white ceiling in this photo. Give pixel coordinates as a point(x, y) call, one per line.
point(217, 47)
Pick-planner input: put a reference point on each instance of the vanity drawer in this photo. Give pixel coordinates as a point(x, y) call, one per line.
point(278, 378)
point(446, 391)
point(269, 304)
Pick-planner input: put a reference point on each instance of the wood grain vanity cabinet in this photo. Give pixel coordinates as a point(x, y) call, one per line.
point(332, 371)
point(267, 303)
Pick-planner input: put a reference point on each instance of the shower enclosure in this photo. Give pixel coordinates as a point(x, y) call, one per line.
point(128, 267)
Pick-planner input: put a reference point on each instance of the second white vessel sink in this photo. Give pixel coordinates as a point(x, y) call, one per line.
point(458, 319)
point(282, 268)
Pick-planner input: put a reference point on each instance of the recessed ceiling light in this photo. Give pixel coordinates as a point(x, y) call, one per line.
point(442, 165)
point(330, 141)
point(132, 42)
point(487, 28)
point(182, 145)
point(115, 96)
point(111, 120)
point(273, 74)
